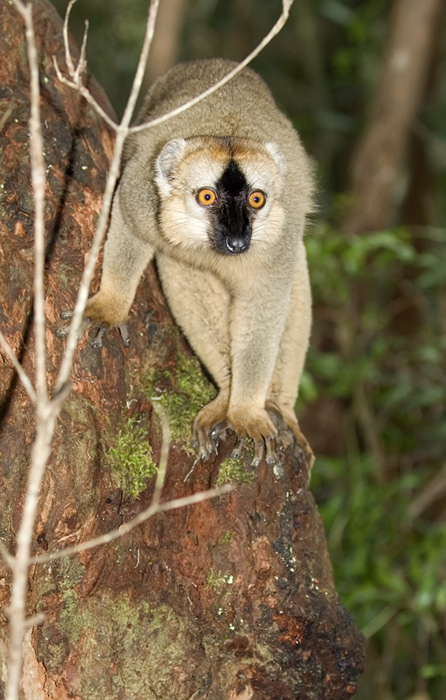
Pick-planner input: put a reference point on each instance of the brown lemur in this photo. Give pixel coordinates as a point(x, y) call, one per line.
point(219, 195)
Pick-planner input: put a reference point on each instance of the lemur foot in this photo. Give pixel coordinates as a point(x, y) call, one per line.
point(97, 340)
point(272, 431)
point(213, 422)
point(64, 329)
point(209, 428)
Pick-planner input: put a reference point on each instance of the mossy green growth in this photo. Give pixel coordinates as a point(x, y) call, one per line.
point(144, 645)
point(226, 539)
point(216, 580)
point(190, 392)
point(233, 470)
point(131, 458)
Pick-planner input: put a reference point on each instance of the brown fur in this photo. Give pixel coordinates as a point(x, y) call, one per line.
point(247, 316)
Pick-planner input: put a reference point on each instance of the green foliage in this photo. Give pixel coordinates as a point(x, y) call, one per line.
point(131, 458)
point(381, 354)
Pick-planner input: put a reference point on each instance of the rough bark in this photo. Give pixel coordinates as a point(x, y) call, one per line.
point(230, 598)
point(376, 183)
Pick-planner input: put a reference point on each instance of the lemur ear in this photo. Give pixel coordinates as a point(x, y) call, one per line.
point(168, 159)
point(277, 156)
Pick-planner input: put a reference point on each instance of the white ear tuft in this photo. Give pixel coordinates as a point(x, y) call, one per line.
point(169, 158)
point(277, 156)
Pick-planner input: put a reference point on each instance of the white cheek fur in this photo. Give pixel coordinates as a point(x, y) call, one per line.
point(184, 223)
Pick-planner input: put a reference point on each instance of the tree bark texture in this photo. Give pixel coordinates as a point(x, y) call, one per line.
point(376, 185)
point(232, 598)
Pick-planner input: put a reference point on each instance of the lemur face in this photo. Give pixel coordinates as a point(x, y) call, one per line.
point(219, 192)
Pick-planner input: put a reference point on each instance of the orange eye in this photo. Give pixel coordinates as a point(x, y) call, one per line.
point(256, 199)
point(206, 197)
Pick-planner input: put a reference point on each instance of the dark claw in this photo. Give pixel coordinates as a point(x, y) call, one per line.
point(66, 315)
point(219, 430)
point(62, 331)
point(97, 340)
point(271, 457)
point(237, 451)
point(258, 453)
point(124, 331)
point(206, 446)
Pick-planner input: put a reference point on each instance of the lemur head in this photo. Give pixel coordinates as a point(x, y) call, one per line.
point(221, 192)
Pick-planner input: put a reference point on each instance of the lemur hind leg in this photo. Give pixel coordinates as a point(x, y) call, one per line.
point(200, 303)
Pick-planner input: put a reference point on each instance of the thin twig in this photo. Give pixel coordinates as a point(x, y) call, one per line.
point(137, 520)
point(113, 175)
point(45, 418)
point(18, 368)
point(68, 57)
point(162, 468)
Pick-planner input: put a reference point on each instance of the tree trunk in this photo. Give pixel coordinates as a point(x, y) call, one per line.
point(376, 183)
point(230, 598)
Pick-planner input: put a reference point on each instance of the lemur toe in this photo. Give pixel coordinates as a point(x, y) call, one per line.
point(63, 330)
point(237, 451)
point(124, 333)
point(96, 342)
point(206, 446)
point(270, 457)
point(259, 449)
point(67, 314)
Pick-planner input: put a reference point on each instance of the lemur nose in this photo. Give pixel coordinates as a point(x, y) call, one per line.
point(237, 245)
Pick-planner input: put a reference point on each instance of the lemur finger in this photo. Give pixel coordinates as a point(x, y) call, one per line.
point(237, 451)
point(96, 342)
point(206, 446)
point(259, 449)
point(270, 457)
point(125, 336)
point(62, 331)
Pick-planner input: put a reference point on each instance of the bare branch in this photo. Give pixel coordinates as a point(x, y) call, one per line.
point(82, 65)
point(122, 132)
point(45, 418)
point(139, 75)
point(18, 368)
point(68, 57)
point(20, 566)
point(149, 512)
point(162, 468)
point(38, 185)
